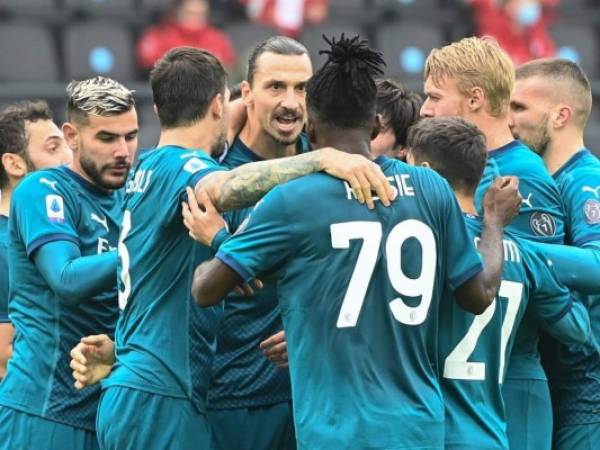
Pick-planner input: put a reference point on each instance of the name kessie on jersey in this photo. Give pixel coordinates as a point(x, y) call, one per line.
point(401, 185)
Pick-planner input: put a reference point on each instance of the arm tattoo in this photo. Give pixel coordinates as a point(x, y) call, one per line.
point(247, 184)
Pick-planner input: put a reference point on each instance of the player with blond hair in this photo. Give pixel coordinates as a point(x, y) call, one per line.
point(474, 78)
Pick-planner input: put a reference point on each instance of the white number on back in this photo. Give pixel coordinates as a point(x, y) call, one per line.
point(456, 365)
point(124, 256)
point(371, 235)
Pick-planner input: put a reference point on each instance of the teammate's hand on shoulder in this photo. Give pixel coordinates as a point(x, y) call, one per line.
point(363, 175)
point(275, 349)
point(201, 217)
point(92, 360)
point(502, 201)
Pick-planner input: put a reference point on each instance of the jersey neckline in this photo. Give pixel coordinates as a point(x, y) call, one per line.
point(570, 162)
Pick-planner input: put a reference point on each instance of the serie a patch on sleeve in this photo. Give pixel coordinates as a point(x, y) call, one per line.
point(55, 208)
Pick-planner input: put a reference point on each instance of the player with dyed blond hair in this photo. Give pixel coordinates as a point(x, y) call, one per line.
point(63, 231)
point(473, 79)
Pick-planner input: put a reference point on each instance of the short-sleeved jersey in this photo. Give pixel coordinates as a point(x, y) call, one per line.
point(359, 292)
point(574, 370)
point(541, 218)
point(47, 206)
point(241, 375)
point(4, 269)
point(474, 349)
point(164, 341)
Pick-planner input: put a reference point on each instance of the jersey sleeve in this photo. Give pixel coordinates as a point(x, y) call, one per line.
point(264, 242)
point(188, 170)
point(576, 268)
point(583, 203)
point(462, 260)
point(3, 284)
point(551, 303)
point(43, 211)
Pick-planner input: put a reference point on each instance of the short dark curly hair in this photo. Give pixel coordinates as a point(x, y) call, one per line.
point(453, 147)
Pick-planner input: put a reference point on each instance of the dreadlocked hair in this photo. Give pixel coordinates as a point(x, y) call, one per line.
point(343, 92)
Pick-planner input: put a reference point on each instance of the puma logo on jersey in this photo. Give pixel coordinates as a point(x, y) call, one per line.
point(527, 201)
point(52, 184)
point(102, 221)
point(590, 189)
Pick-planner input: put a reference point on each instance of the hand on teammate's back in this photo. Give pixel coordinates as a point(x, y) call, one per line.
point(92, 360)
point(363, 175)
point(502, 201)
point(275, 349)
point(201, 218)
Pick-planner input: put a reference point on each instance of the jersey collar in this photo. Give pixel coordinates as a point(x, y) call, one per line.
point(576, 157)
point(505, 148)
point(85, 183)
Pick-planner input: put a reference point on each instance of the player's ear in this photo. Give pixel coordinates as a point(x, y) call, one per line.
point(14, 165)
point(247, 96)
point(217, 106)
point(476, 99)
point(561, 116)
point(377, 126)
point(71, 135)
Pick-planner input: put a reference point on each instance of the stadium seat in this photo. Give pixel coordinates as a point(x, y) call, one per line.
point(405, 47)
point(98, 48)
point(123, 8)
point(155, 5)
point(312, 38)
point(28, 53)
point(580, 44)
point(347, 8)
point(244, 36)
point(37, 8)
point(407, 7)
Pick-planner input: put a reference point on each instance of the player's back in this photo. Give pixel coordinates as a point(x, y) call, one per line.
point(164, 342)
point(359, 297)
point(474, 349)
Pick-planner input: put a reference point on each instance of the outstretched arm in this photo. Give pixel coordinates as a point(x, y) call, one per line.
point(247, 184)
point(576, 268)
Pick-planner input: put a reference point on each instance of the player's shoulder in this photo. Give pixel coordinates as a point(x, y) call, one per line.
point(172, 158)
point(52, 180)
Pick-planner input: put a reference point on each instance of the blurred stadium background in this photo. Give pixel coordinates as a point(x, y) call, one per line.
point(46, 43)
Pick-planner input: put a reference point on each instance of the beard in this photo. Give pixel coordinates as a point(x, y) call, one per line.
point(218, 147)
point(95, 172)
point(540, 140)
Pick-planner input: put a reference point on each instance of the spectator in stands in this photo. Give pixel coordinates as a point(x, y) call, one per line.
point(519, 26)
point(399, 109)
point(186, 24)
point(288, 16)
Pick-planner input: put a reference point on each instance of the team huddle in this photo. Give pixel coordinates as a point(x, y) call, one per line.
point(310, 260)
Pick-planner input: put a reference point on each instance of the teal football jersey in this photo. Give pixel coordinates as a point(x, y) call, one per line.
point(474, 349)
point(3, 269)
point(241, 375)
point(541, 218)
point(164, 342)
point(359, 292)
point(574, 370)
point(47, 206)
